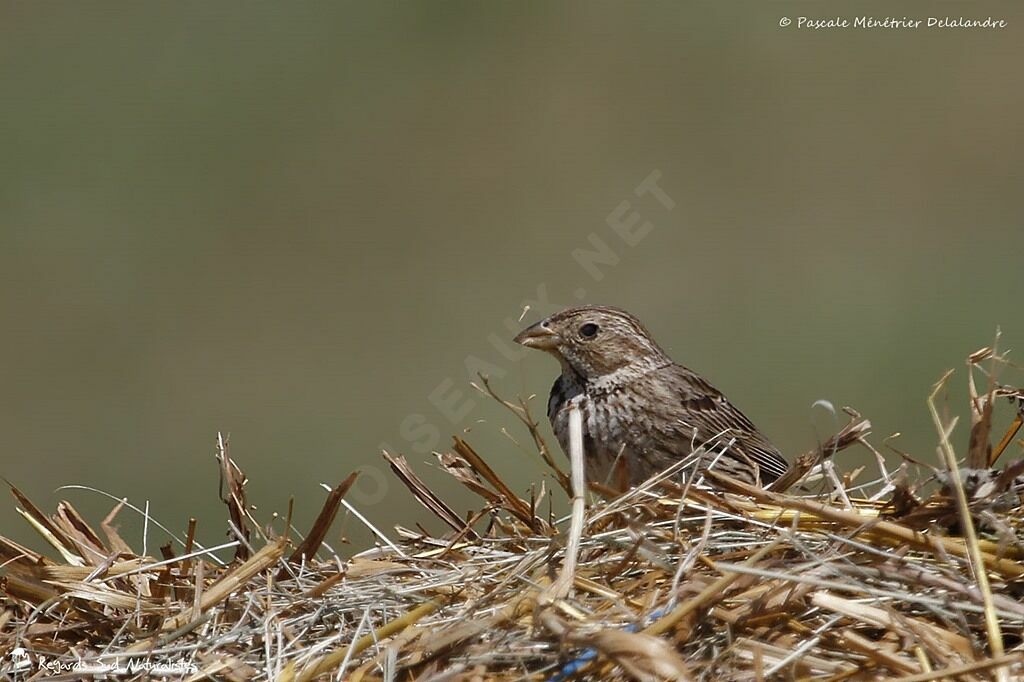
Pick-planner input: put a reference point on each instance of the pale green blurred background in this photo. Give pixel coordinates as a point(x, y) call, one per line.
point(293, 223)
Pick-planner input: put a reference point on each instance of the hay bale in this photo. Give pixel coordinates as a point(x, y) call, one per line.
point(827, 576)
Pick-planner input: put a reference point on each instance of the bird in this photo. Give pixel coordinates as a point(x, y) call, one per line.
point(641, 411)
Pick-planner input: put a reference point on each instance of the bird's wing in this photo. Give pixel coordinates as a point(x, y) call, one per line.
point(709, 418)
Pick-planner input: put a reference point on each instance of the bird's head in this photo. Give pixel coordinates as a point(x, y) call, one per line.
point(593, 341)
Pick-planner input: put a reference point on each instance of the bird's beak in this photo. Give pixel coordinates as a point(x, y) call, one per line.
point(538, 336)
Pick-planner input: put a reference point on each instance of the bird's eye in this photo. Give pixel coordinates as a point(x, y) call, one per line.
point(589, 330)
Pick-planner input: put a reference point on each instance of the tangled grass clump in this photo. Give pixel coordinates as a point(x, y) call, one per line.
point(823, 576)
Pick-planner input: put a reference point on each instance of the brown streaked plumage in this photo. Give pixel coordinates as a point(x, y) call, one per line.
point(642, 412)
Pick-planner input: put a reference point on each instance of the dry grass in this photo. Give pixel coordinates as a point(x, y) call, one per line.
point(825, 577)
